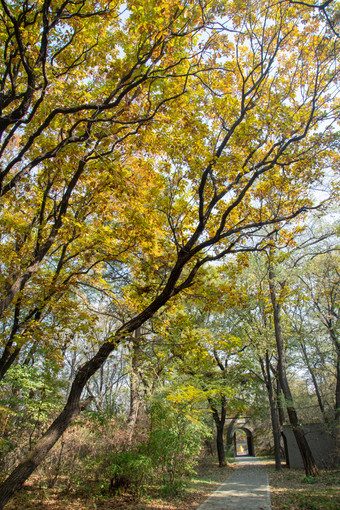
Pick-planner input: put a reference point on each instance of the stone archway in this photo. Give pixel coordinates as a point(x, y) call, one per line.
point(245, 447)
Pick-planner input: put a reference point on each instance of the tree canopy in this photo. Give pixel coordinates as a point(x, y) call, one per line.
point(141, 143)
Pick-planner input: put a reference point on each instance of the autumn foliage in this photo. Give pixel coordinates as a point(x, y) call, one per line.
point(140, 142)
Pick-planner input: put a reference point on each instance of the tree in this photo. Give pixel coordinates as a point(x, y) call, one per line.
point(257, 329)
point(270, 325)
point(270, 318)
point(305, 451)
point(53, 195)
point(274, 414)
point(208, 333)
point(208, 350)
point(65, 100)
point(322, 284)
point(258, 123)
point(328, 9)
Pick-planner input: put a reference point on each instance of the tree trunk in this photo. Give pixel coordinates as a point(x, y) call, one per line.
point(337, 404)
point(10, 354)
point(230, 439)
point(220, 446)
point(73, 407)
point(315, 382)
point(35, 456)
point(71, 410)
point(135, 398)
point(305, 451)
point(273, 410)
point(336, 342)
point(220, 422)
point(279, 397)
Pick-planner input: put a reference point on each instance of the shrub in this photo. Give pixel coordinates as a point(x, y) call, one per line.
point(132, 469)
point(175, 441)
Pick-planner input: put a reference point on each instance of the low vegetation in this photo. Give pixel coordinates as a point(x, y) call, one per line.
point(292, 490)
point(87, 494)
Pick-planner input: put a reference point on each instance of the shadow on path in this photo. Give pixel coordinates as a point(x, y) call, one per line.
point(245, 489)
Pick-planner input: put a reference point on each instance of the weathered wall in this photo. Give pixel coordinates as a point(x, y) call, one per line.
point(321, 443)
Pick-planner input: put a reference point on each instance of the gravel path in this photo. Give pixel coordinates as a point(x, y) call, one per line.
point(245, 489)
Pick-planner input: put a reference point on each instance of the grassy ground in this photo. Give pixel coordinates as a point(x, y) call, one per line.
point(292, 490)
point(88, 496)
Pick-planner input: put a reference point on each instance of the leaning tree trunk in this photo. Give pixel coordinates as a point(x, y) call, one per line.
point(39, 452)
point(71, 410)
point(73, 406)
point(305, 451)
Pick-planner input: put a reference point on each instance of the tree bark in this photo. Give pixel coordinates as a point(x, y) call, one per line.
point(305, 451)
point(220, 422)
point(279, 396)
point(315, 382)
point(222, 462)
point(34, 458)
point(265, 367)
point(71, 410)
point(336, 342)
point(230, 439)
point(337, 404)
point(73, 406)
point(135, 398)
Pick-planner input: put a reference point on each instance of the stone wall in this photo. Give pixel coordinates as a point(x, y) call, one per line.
point(320, 440)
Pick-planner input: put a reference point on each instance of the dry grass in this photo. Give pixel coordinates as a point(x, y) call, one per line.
point(292, 490)
point(88, 496)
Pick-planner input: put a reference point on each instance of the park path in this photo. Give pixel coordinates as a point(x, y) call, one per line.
point(246, 488)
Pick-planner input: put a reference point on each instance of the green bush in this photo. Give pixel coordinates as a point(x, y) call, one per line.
point(166, 457)
point(175, 442)
point(132, 469)
point(29, 398)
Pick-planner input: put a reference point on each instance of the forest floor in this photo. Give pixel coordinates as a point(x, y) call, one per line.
point(85, 496)
point(290, 490)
